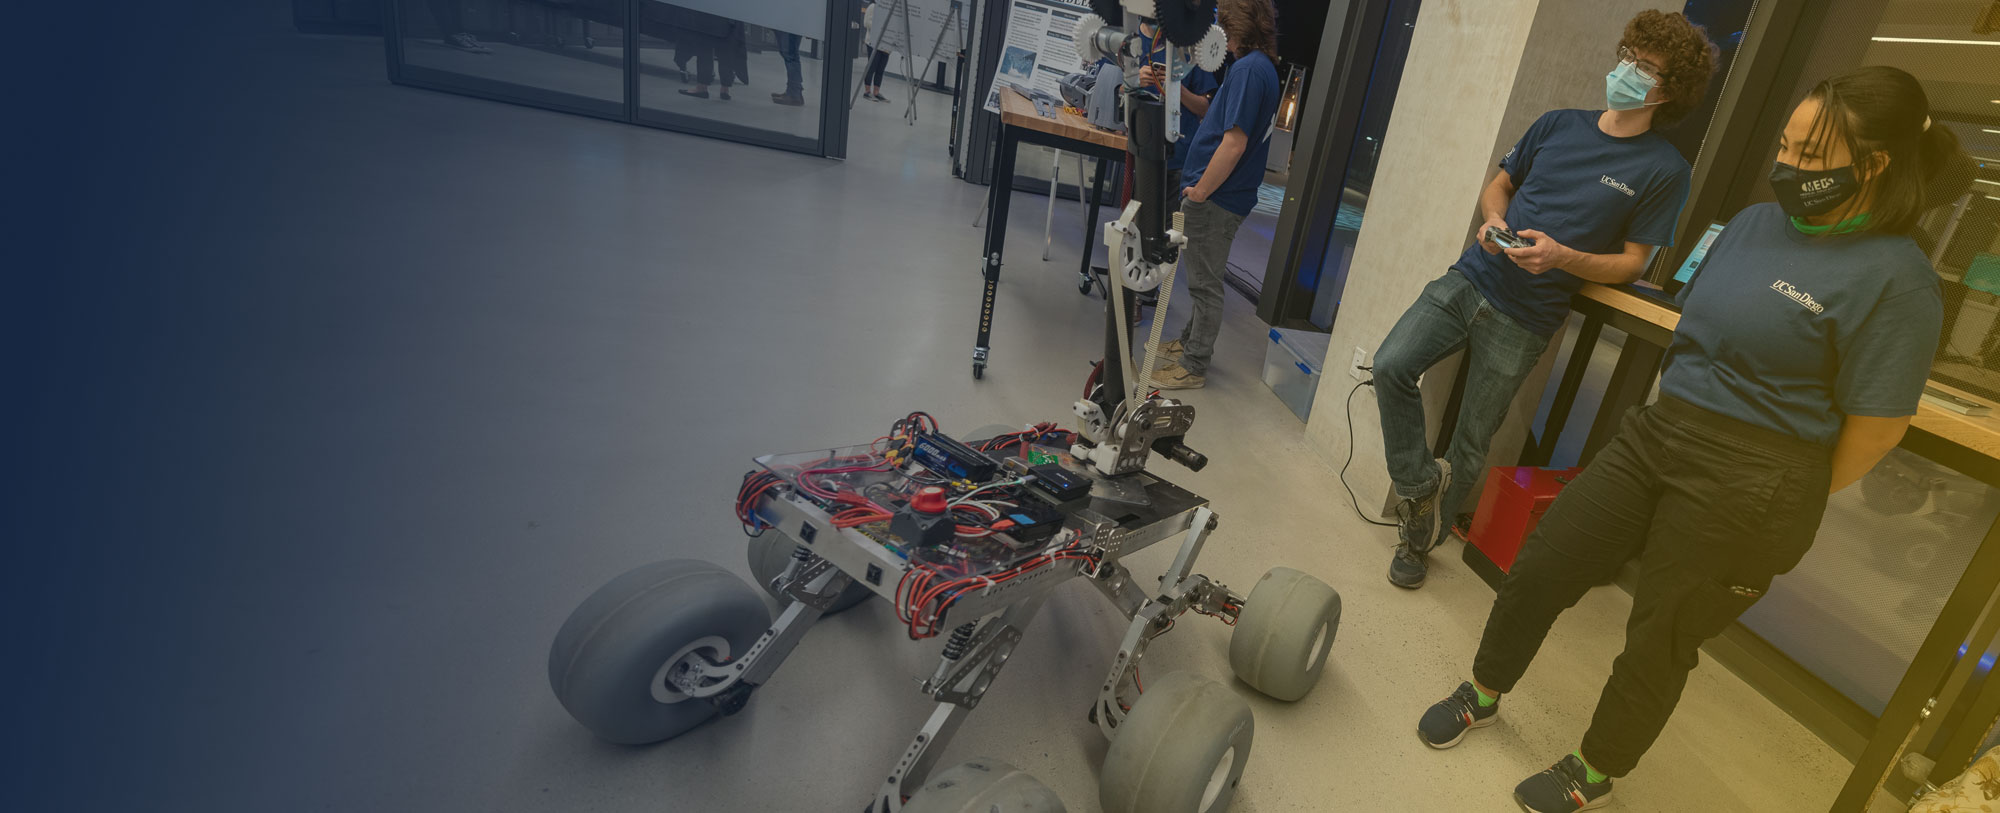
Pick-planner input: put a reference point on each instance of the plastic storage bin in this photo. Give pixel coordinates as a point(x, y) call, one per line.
point(1292, 366)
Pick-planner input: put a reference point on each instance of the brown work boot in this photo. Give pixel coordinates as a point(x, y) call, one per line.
point(1176, 377)
point(1171, 351)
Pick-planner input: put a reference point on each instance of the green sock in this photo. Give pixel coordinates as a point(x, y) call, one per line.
point(1592, 773)
point(1485, 700)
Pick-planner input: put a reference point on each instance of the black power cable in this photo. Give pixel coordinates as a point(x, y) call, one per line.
point(1353, 500)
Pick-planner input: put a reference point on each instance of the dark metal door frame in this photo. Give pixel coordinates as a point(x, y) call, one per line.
point(1332, 112)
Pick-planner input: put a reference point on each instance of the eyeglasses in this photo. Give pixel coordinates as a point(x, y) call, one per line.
point(1649, 70)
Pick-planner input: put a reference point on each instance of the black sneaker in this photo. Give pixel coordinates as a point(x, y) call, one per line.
point(1417, 524)
point(1563, 788)
point(1446, 722)
point(1409, 569)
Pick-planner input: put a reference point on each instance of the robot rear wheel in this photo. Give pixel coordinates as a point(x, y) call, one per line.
point(1181, 749)
point(984, 786)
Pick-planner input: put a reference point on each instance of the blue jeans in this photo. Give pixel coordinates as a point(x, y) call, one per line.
point(788, 48)
point(1450, 315)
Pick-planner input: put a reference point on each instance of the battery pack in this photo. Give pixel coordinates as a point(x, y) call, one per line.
point(952, 459)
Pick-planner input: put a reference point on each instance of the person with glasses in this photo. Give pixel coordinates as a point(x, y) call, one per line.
point(1590, 194)
point(1803, 349)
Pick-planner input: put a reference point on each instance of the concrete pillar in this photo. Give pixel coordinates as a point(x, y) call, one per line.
point(1479, 72)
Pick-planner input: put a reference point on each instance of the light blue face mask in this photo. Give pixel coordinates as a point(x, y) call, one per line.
point(1625, 89)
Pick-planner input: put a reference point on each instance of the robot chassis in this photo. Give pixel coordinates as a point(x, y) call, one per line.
point(667, 646)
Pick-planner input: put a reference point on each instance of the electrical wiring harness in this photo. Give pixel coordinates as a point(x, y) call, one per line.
point(840, 485)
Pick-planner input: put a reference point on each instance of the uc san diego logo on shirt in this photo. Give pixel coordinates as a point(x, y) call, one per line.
point(1798, 296)
point(1616, 184)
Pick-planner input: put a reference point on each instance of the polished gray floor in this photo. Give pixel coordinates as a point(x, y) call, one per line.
point(534, 350)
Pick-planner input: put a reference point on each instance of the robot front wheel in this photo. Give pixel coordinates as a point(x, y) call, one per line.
point(1181, 749)
point(770, 552)
point(609, 662)
point(1284, 632)
point(984, 786)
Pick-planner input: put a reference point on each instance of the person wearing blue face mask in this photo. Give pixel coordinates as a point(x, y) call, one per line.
point(1805, 342)
point(1592, 193)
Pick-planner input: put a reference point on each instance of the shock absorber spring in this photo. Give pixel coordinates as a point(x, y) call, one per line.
point(961, 639)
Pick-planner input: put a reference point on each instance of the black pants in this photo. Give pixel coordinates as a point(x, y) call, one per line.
point(1713, 508)
point(876, 66)
point(708, 58)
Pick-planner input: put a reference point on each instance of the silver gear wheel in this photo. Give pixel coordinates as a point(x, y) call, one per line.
point(1086, 39)
point(1209, 52)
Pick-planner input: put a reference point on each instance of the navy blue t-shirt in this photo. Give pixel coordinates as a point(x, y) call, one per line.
point(1791, 332)
point(1199, 81)
point(1588, 190)
point(1248, 101)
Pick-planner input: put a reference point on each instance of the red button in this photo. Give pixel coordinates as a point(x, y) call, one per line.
point(930, 500)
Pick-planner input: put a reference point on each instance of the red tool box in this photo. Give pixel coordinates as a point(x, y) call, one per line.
point(1513, 501)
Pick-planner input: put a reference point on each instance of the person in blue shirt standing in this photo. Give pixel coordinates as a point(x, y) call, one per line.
point(1224, 167)
point(1197, 88)
point(1595, 192)
point(1805, 342)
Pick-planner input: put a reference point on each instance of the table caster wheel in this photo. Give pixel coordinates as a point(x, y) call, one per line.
point(609, 662)
point(978, 370)
point(1084, 287)
point(1282, 636)
point(590, 42)
point(1181, 749)
point(984, 786)
point(768, 555)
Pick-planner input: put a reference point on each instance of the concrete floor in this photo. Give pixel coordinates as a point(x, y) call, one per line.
point(528, 351)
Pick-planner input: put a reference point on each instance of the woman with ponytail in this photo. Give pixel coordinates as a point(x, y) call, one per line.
point(1804, 346)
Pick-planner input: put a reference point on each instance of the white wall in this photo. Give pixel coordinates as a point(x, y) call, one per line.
point(1478, 73)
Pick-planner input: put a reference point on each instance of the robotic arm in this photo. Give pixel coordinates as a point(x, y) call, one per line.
point(1121, 422)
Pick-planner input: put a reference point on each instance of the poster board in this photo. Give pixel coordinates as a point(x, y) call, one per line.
point(927, 21)
point(1038, 49)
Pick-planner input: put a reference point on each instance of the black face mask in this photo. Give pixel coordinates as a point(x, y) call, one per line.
point(1804, 194)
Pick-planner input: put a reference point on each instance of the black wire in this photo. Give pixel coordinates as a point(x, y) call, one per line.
point(1353, 500)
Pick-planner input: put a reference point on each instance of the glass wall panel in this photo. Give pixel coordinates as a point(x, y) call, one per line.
point(1889, 549)
point(725, 68)
point(568, 54)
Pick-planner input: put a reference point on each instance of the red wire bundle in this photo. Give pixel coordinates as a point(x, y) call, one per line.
point(1021, 440)
point(919, 589)
point(756, 484)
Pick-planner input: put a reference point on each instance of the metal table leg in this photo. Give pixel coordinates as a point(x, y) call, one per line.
point(1085, 279)
point(996, 236)
point(1637, 366)
point(1544, 449)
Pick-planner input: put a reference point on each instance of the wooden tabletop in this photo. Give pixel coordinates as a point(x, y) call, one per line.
point(1978, 434)
point(1627, 302)
point(1017, 111)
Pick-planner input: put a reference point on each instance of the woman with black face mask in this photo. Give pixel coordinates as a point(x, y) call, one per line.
point(1804, 346)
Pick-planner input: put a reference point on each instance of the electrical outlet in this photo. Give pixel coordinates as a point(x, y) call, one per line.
point(1360, 361)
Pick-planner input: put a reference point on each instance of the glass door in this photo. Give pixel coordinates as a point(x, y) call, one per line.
point(753, 71)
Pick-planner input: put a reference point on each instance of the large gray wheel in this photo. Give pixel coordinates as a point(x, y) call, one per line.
point(984, 786)
point(1284, 632)
point(609, 662)
point(768, 554)
point(1181, 749)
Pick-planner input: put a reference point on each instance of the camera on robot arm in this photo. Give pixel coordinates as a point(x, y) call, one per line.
point(1121, 420)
